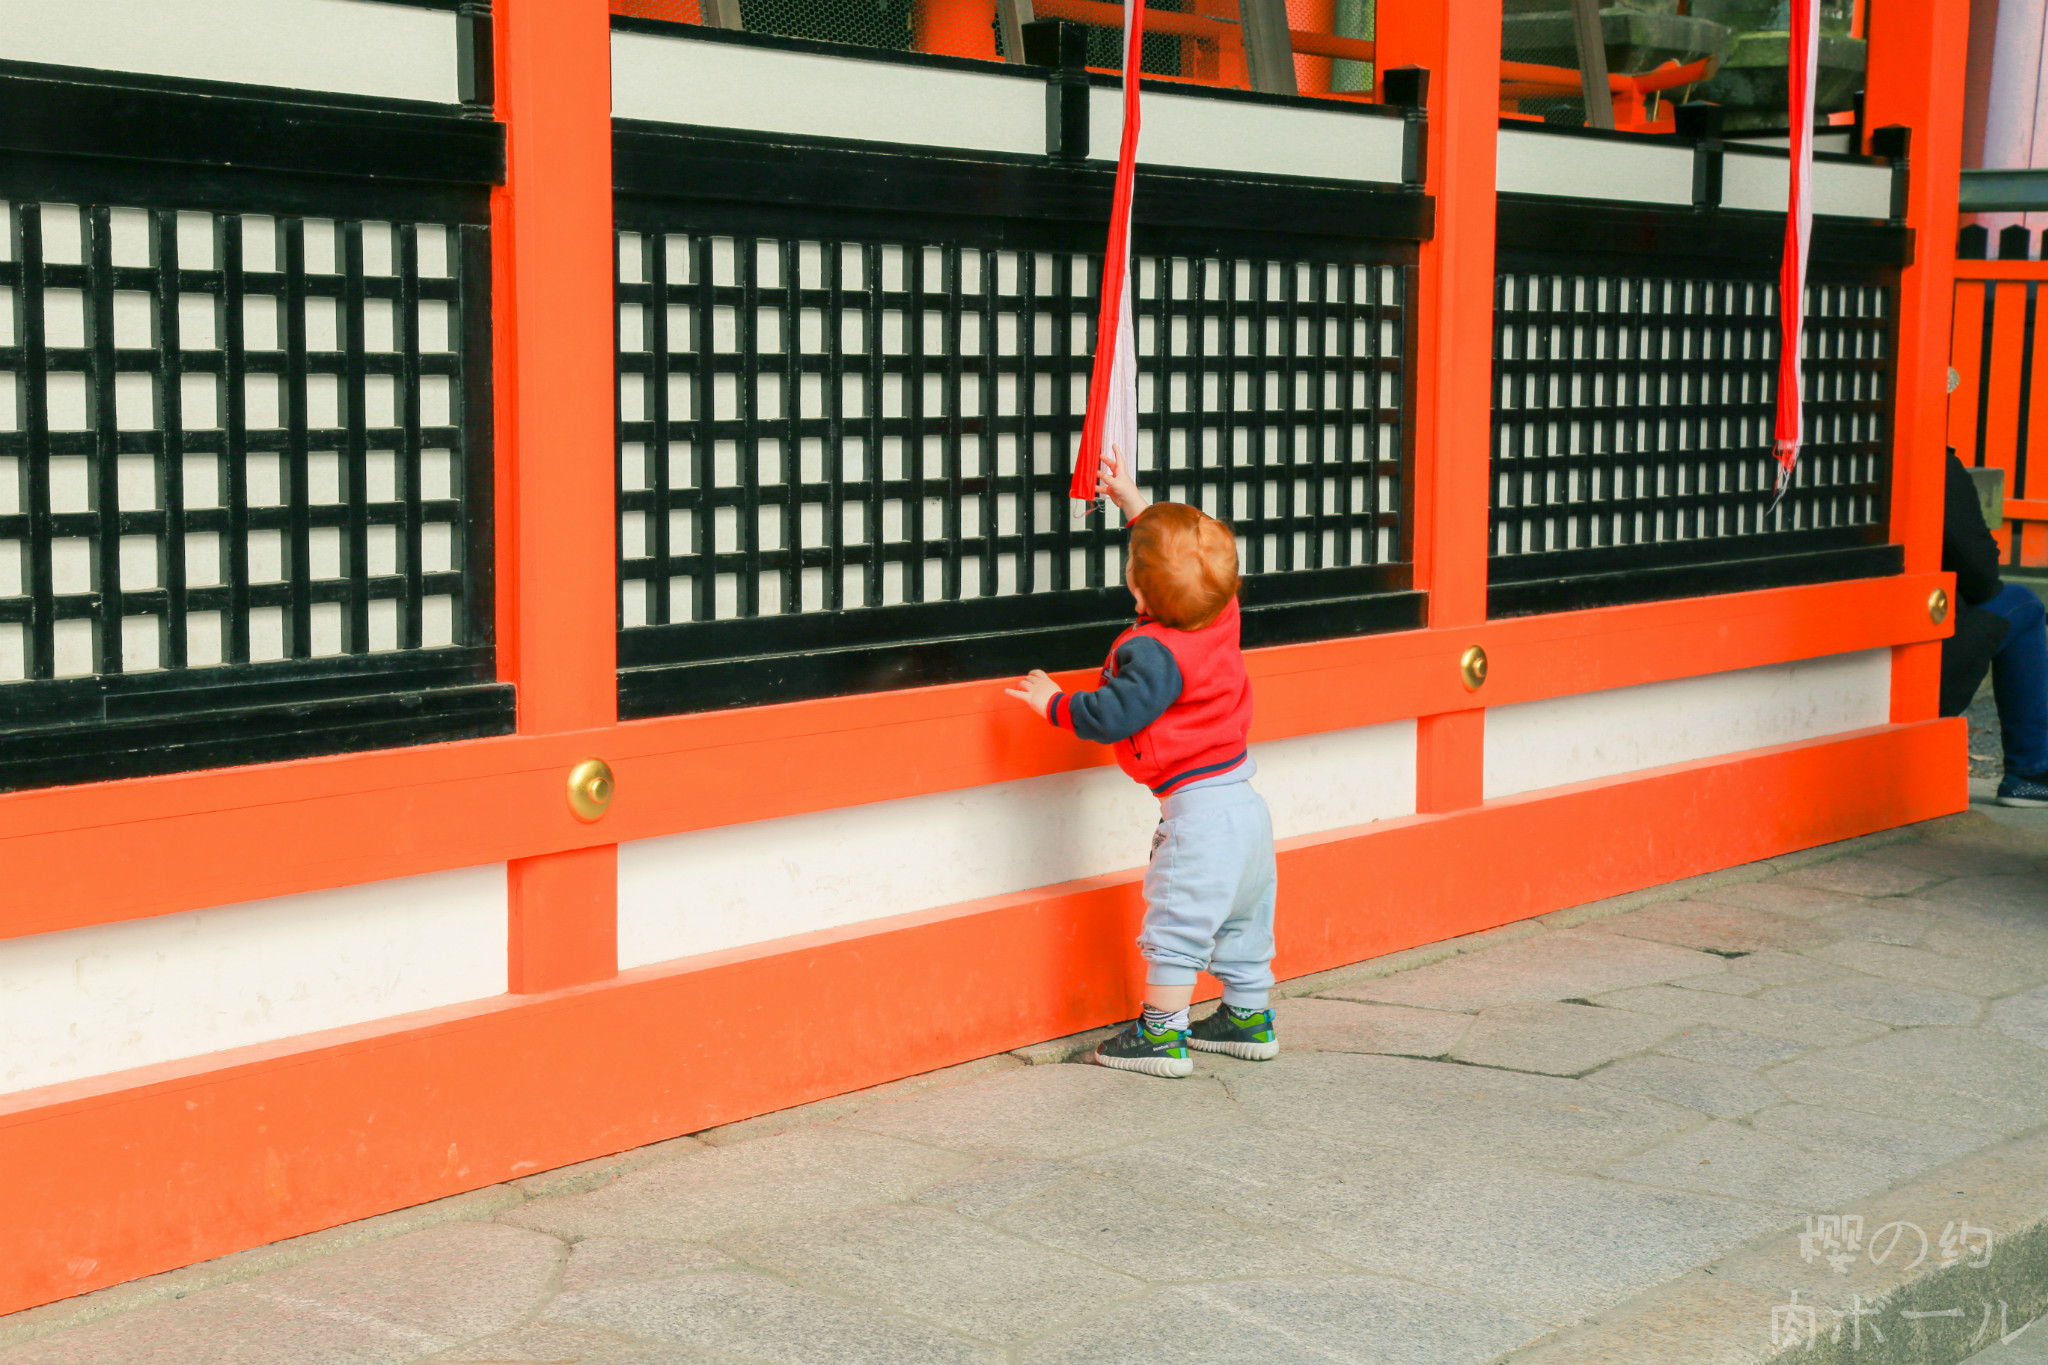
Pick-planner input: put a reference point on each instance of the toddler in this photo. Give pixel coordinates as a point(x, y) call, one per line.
point(1176, 704)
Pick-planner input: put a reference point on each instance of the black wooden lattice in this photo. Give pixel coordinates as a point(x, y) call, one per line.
point(809, 426)
point(233, 439)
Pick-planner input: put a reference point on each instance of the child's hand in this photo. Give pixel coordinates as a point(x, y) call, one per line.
point(1113, 481)
point(1035, 690)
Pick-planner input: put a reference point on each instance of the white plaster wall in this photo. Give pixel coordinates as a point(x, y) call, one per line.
point(1593, 168)
point(1540, 744)
point(723, 888)
point(1250, 139)
point(1760, 182)
point(84, 1002)
point(725, 85)
point(352, 47)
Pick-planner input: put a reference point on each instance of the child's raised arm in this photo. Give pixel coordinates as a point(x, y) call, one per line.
point(1114, 481)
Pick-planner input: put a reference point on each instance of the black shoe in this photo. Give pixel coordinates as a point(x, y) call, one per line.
point(1164, 1053)
point(1241, 1033)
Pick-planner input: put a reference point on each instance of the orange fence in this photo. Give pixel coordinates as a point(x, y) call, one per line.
point(1998, 414)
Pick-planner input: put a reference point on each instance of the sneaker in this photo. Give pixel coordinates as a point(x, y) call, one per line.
point(1241, 1033)
point(1164, 1053)
point(2023, 791)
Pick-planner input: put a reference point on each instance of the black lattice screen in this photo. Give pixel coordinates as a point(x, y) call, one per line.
point(1633, 430)
point(812, 426)
point(231, 439)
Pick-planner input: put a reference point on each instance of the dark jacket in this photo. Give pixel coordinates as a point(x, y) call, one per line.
point(1176, 704)
point(1968, 552)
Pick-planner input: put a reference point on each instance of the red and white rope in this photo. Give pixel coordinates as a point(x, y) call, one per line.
point(1801, 75)
point(1112, 420)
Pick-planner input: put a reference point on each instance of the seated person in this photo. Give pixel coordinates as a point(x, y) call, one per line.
point(2017, 653)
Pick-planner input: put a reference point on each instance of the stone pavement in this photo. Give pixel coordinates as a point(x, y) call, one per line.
point(1793, 1111)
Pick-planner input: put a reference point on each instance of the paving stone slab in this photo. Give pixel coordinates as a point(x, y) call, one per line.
point(776, 1179)
point(1050, 1112)
point(1969, 975)
point(1717, 928)
point(1681, 1322)
point(1885, 1000)
point(1879, 924)
point(1730, 1047)
point(1558, 1039)
point(1963, 1078)
point(994, 1184)
point(554, 1343)
point(1723, 1091)
point(759, 1317)
point(954, 1271)
point(1781, 897)
point(396, 1301)
point(1948, 859)
point(1862, 875)
point(2024, 1345)
point(1325, 1025)
point(1720, 983)
point(1355, 1319)
point(1152, 1237)
point(1742, 1163)
point(1778, 1019)
point(2023, 1016)
point(1558, 966)
point(2017, 897)
point(1546, 1246)
point(1773, 968)
point(1442, 1107)
point(1217, 1166)
point(1897, 1149)
point(2023, 945)
point(618, 1260)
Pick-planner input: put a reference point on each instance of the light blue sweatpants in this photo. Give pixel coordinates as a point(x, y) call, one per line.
point(1209, 893)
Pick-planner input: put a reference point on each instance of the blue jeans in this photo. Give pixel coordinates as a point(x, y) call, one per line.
point(2019, 679)
point(1209, 893)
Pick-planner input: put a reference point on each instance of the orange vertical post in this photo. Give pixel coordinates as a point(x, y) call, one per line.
point(957, 28)
point(1458, 40)
point(1918, 53)
point(557, 536)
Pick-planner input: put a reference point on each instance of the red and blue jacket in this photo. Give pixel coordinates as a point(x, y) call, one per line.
point(1176, 704)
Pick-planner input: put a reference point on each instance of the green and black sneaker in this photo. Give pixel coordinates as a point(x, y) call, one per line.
point(1156, 1053)
point(1241, 1033)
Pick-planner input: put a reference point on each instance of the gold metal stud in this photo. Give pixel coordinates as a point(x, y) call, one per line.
point(590, 790)
point(1472, 668)
point(1937, 606)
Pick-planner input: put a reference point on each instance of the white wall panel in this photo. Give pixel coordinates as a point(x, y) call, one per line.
point(1594, 168)
point(739, 884)
point(729, 85)
point(84, 1002)
point(1852, 191)
point(352, 47)
point(1540, 744)
point(1250, 139)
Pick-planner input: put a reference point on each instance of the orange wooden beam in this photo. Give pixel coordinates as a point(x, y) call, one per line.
point(107, 852)
point(128, 1175)
point(1918, 52)
point(1453, 407)
point(555, 372)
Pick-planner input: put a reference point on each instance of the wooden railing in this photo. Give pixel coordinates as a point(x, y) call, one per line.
point(1998, 412)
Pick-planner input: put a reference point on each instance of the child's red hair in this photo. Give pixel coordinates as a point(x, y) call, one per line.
point(1184, 563)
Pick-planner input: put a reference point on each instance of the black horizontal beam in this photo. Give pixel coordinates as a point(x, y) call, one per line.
point(721, 683)
point(104, 750)
point(74, 112)
point(1742, 242)
point(1580, 591)
point(935, 186)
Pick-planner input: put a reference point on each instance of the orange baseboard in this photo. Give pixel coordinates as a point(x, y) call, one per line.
point(125, 1176)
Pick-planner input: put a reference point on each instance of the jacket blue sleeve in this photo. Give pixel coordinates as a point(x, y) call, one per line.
point(1145, 683)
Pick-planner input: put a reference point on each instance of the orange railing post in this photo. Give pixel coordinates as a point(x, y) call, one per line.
point(557, 533)
point(1453, 422)
point(1918, 50)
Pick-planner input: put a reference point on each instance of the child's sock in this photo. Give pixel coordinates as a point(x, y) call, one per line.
point(1160, 1021)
